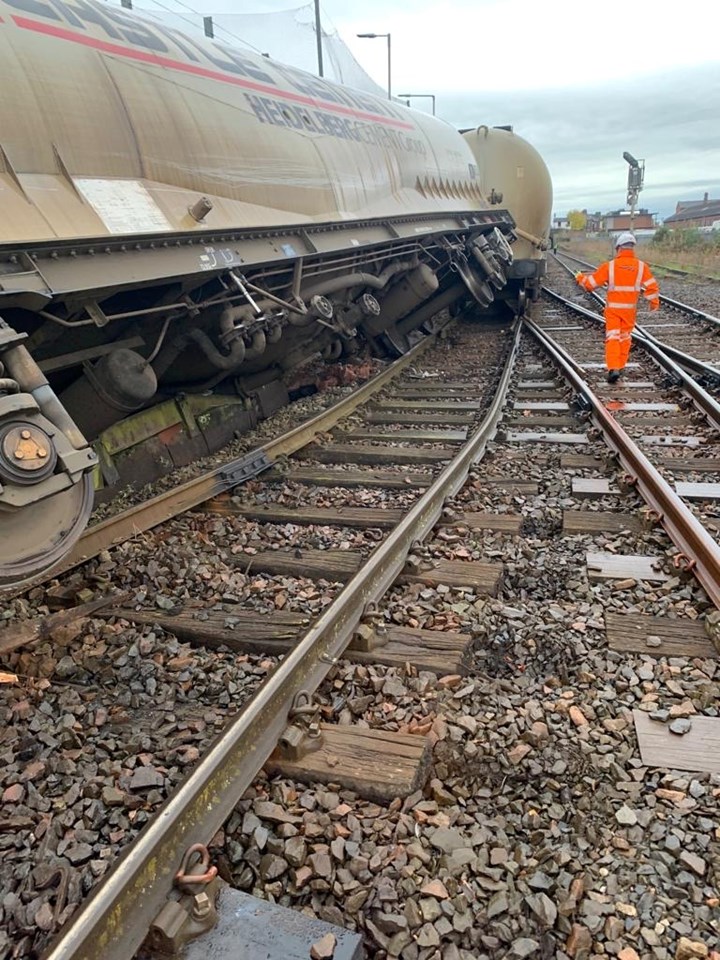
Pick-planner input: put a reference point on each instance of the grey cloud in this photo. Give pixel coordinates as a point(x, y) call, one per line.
point(670, 120)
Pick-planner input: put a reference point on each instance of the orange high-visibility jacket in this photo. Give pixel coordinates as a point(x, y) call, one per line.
point(625, 277)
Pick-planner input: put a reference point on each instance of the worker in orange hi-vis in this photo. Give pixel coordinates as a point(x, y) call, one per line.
point(625, 278)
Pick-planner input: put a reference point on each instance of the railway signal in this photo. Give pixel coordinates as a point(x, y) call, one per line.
point(636, 178)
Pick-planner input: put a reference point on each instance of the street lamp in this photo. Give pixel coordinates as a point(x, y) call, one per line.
point(374, 36)
point(636, 176)
point(418, 96)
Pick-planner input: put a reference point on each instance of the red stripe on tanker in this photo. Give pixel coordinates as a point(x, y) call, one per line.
point(184, 223)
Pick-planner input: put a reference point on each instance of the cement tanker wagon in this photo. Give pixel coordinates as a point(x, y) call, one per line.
point(513, 173)
point(181, 223)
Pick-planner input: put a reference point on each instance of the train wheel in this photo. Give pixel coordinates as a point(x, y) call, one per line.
point(479, 289)
point(32, 540)
point(490, 265)
point(395, 342)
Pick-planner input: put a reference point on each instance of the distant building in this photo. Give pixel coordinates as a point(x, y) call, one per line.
point(614, 222)
point(618, 220)
point(691, 214)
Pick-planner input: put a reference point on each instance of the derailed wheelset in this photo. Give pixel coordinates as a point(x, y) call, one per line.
point(46, 489)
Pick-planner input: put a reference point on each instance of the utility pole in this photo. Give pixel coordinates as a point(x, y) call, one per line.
point(318, 37)
point(389, 69)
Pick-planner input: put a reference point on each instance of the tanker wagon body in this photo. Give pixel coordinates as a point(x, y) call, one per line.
point(181, 223)
point(513, 173)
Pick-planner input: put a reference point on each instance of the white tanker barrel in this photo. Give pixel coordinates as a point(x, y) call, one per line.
point(513, 174)
point(111, 124)
point(178, 215)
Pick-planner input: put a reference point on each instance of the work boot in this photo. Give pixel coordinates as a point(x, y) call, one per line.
point(613, 376)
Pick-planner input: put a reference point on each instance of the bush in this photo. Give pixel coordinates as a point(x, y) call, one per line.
point(691, 238)
point(680, 240)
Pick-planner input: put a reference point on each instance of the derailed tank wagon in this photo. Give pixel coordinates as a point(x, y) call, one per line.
point(513, 174)
point(183, 223)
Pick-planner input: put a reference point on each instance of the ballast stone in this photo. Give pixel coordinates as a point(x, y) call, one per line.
point(626, 817)
point(690, 949)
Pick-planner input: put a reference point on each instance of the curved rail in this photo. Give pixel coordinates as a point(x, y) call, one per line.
point(668, 301)
point(709, 373)
point(701, 552)
point(113, 923)
point(704, 402)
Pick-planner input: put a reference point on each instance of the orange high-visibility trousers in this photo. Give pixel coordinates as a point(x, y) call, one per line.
point(618, 337)
point(625, 277)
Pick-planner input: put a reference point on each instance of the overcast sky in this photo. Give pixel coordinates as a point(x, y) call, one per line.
point(581, 83)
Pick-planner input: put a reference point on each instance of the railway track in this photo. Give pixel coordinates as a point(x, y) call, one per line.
point(644, 415)
point(681, 274)
point(514, 525)
point(384, 441)
point(689, 334)
point(145, 514)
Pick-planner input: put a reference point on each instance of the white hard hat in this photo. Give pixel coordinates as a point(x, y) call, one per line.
point(624, 239)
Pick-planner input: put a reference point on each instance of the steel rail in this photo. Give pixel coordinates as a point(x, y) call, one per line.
point(696, 545)
point(699, 367)
point(704, 401)
point(144, 516)
point(113, 922)
point(690, 310)
point(561, 252)
point(705, 370)
point(668, 301)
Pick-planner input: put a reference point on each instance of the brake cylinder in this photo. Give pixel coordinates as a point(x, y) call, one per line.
point(407, 294)
point(118, 384)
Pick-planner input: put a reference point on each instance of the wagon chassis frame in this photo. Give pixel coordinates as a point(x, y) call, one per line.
point(77, 271)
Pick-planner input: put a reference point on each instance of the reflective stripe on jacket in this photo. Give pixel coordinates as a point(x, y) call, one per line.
point(625, 278)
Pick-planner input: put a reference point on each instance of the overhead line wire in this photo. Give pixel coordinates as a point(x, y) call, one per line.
point(201, 17)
